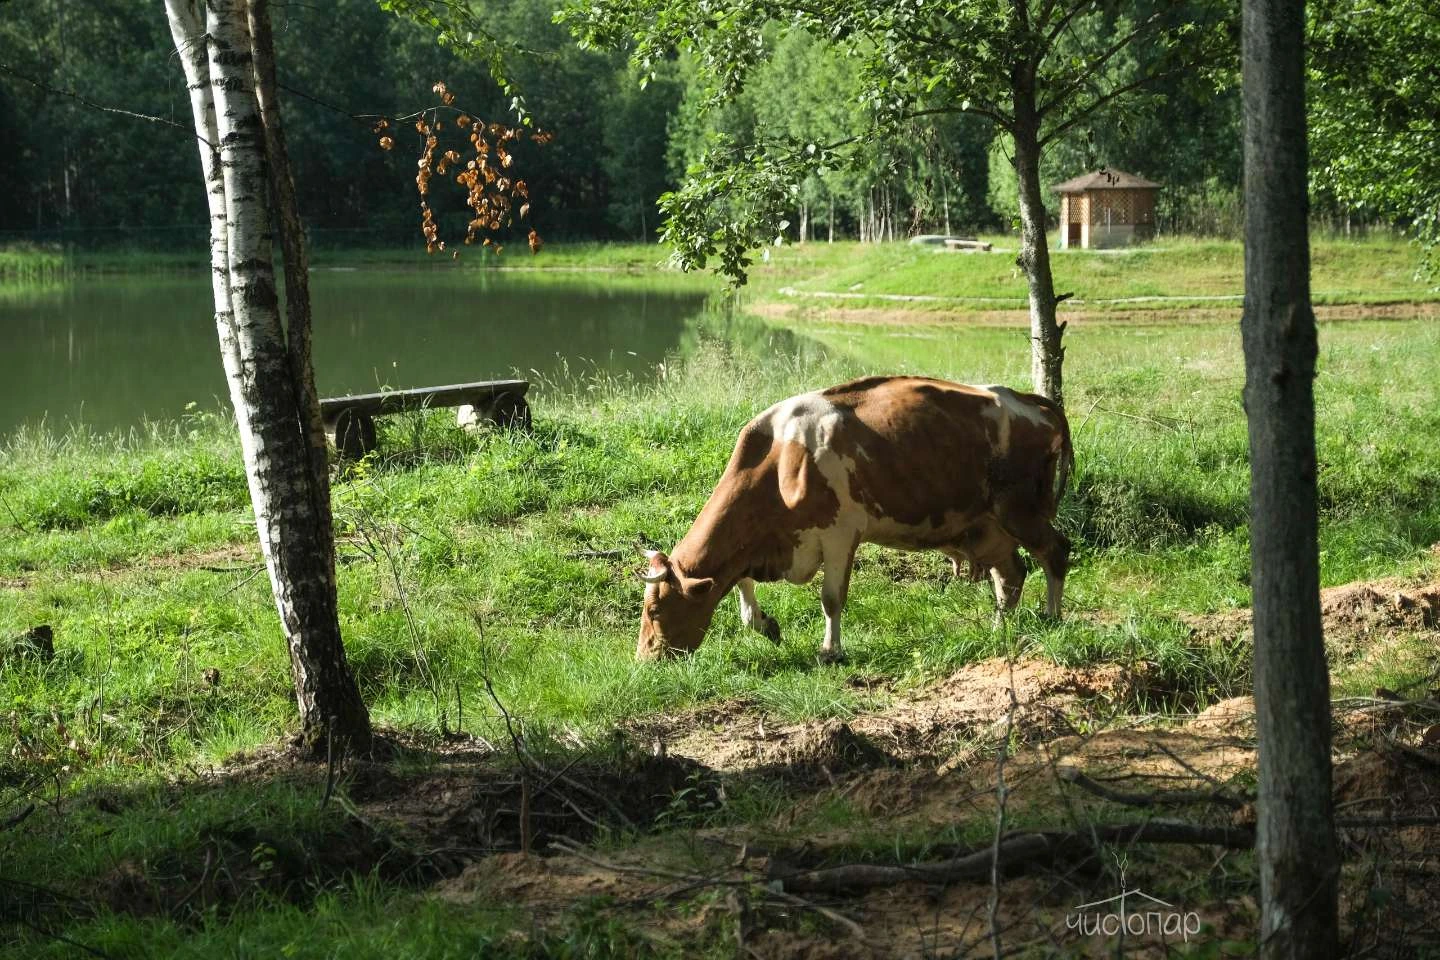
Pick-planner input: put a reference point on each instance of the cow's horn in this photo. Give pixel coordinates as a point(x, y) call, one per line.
point(659, 567)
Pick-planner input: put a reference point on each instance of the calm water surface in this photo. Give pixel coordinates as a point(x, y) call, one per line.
point(111, 352)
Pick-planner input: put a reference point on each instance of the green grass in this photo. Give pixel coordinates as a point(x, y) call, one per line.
point(609, 258)
point(138, 550)
point(23, 263)
point(491, 540)
point(1379, 270)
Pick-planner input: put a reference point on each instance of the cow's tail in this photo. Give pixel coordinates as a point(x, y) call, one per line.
point(1066, 464)
point(1062, 461)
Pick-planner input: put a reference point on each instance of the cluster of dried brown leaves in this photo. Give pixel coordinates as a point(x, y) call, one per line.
point(495, 196)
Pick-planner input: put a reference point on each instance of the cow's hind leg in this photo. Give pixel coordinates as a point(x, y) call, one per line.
point(752, 616)
point(837, 557)
point(1047, 545)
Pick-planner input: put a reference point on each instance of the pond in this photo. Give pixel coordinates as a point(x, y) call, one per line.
point(109, 352)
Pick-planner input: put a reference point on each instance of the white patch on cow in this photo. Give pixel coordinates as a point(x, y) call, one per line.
point(805, 561)
point(812, 421)
point(1000, 413)
point(1018, 406)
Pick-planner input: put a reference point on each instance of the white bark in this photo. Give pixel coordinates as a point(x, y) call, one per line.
point(291, 521)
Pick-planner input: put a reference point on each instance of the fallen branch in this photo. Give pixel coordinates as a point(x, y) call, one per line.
point(17, 818)
point(1018, 850)
point(694, 881)
point(1162, 798)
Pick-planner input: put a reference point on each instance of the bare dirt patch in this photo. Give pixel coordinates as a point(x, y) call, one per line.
point(1351, 613)
point(930, 724)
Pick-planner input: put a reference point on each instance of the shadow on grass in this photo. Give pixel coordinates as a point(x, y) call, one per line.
point(269, 829)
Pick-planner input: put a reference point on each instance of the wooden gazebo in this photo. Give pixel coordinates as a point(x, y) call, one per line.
point(1107, 208)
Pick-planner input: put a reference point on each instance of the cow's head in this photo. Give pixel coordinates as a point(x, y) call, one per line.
point(677, 609)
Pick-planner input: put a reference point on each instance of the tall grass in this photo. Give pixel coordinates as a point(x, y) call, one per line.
point(28, 263)
point(514, 554)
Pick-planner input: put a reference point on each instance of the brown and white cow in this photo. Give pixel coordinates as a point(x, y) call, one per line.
point(905, 462)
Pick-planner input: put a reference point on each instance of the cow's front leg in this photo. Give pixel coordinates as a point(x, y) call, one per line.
point(752, 616)
point(838, 558)
point(1008, 577)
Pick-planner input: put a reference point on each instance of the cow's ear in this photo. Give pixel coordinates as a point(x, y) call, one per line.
point(697, 588)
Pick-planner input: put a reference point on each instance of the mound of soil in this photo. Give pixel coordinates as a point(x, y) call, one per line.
point(972, 706)
point(1360, 608)
point(1349, 613)
point(974, 703)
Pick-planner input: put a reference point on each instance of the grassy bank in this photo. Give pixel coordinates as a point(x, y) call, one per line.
point(605, 257)
point(1186, 271)
point(1175, 271)
point(27, 263)
point(509, 560)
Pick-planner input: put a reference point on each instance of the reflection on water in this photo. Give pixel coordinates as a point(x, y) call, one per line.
point(109, 352)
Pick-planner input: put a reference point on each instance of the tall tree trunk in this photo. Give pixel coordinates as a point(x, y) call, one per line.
point(271, 384)
point(1295, 835)
point(945, 199)
point(1047, 354)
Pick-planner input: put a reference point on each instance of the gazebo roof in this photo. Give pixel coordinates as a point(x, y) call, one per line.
point(1105, 179)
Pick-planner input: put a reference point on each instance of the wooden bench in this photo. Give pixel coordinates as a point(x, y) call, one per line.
point(350, 421)
point(966, 243)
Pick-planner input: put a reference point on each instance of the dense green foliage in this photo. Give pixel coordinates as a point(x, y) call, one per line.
point(63, 159)
point(1036, 72)
point(619, 147)
point(1378, 62)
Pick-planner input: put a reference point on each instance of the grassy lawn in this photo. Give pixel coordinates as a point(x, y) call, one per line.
point(1381, 270)
point(510, 559)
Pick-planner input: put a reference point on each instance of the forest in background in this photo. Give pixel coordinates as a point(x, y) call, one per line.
point(88, 178)
point(85, 178)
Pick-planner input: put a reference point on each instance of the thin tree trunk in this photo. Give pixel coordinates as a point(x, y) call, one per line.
point(1047, 354)
point(269, 378)
point(945, 199)
point(1295, 838)
point(332, 695)
point(830, 223)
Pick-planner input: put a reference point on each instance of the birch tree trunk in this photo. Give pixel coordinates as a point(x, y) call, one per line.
point(1047, 354)
point(270, 378)
point(1295, 838)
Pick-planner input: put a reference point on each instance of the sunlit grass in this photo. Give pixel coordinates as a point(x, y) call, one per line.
point(511, 558)
point(1378, 270)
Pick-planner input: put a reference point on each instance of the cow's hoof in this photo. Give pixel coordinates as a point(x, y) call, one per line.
point(771, 630)
point(827, 657)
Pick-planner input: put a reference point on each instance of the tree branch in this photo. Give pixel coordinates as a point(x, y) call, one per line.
point(1093, 65)
point(1158, 799)
point(1017, 850)
point(86, 101)
point(1120, 91)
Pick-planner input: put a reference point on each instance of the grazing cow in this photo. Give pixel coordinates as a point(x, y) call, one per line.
point(905, 462)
